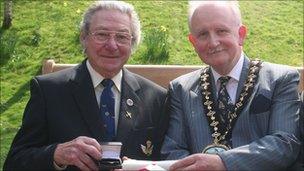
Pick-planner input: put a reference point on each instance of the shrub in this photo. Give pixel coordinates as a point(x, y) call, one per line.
point(157, 48)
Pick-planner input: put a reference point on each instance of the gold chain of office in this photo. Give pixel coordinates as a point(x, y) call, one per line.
point(209, 104)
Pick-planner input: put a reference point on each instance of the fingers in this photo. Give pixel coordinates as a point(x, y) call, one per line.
point(86, 162)
point(89, 146)
point(199, 162)
point(182, 164)
point(125, 158)
point(91, 141)
point(80, 152)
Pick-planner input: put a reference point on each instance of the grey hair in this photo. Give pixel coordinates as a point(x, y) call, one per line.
point(121, 6)
point(233, 5)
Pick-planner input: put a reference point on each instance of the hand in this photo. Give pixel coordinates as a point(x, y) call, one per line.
point(199, 162)
point(79, 152)
point(125, 158)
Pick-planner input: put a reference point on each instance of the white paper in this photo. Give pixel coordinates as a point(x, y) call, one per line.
point(131, 164)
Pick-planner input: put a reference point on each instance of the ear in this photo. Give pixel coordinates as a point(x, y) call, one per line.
point(191, 39)
point(242, 34)
point(82, 39)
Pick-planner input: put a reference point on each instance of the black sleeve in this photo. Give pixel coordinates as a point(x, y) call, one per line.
point(30, 149)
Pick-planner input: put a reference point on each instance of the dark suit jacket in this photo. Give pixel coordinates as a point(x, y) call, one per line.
point(63, 106)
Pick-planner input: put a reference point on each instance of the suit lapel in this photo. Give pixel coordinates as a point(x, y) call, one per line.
point(198, 118)
point(130, 105)
point(243, 77)
point(195, 94)
point(195, 98)
point(83, 91)
point(242, 81)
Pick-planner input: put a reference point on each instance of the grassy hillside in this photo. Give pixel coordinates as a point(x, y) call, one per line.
point(49, 29)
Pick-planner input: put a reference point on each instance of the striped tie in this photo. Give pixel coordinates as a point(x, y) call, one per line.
point(224, 101)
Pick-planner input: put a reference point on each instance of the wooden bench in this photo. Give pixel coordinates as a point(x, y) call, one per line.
point(160, 74)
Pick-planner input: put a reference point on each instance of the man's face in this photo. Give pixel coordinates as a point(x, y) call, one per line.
point(216, 37)
point(108, 45)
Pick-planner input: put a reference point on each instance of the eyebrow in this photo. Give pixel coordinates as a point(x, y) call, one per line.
point(120, 30)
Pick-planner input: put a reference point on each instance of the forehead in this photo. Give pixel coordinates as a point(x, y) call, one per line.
point(211, 14)
point(112, 20)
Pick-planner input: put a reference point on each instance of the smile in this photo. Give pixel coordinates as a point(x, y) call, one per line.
point(105, 56)
point(215, 51)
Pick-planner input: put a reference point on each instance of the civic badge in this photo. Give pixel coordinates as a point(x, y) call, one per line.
point(148, 149)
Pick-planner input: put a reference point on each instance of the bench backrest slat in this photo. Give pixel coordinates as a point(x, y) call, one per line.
point(160, 74)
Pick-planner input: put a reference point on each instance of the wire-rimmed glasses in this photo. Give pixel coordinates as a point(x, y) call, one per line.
point(121, 38)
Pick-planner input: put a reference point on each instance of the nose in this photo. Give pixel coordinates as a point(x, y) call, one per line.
point(213, 41)
point(111, 44)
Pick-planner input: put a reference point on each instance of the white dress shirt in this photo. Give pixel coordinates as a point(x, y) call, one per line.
point(235, 75)
point(98, 87)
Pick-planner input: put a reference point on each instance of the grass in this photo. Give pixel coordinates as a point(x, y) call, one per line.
point(49, 29)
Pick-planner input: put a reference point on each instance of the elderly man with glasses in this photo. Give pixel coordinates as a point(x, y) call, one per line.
point(71, 112)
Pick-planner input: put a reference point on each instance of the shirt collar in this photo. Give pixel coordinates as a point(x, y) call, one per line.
point(97, 78)
point(235, 73)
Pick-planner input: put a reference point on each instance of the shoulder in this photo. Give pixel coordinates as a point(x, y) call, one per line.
point(145, 83)
point(277, 70)
point(274, 73)
point(187, 81)
point(59, 77)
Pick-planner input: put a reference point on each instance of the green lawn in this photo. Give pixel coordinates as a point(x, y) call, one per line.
point(49, 29)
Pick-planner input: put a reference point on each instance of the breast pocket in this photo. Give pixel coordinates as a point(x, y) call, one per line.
point(142, 144)
point(260, 104)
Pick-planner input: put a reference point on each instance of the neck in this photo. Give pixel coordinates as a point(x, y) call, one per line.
point(226, 68)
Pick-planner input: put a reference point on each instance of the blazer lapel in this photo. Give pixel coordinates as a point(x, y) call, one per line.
point(242, 81)
point(129, 105)
point(196, 98)
point(198, 117)
point(83, 91)
point(243, 76)
point(195, 94)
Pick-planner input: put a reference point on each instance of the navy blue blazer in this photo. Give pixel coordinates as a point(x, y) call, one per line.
point(63, 106)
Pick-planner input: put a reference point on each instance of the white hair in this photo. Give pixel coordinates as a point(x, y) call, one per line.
point(233, 5)
point(121, 6)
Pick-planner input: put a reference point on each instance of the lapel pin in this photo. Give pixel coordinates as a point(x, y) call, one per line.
point(147, 150)
point(130, 102)
point(128, 115)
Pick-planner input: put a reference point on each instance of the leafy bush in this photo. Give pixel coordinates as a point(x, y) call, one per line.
point(157, 48)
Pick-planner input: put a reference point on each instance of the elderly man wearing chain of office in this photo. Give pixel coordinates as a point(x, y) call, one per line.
point(236, 113)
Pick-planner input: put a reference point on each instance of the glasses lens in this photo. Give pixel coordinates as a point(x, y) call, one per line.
point(120, 38)
point(101, 36)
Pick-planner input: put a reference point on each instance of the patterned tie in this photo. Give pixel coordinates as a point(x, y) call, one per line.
point(224, 102)
point(107, 103)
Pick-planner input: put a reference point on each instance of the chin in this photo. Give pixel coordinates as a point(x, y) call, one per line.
point(112, 67)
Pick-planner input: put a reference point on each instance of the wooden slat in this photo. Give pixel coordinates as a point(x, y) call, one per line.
point(160, 74)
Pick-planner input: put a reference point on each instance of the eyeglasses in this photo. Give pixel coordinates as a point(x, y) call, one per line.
point(102, 36)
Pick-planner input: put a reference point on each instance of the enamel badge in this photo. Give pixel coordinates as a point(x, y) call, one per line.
point(148, 149)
